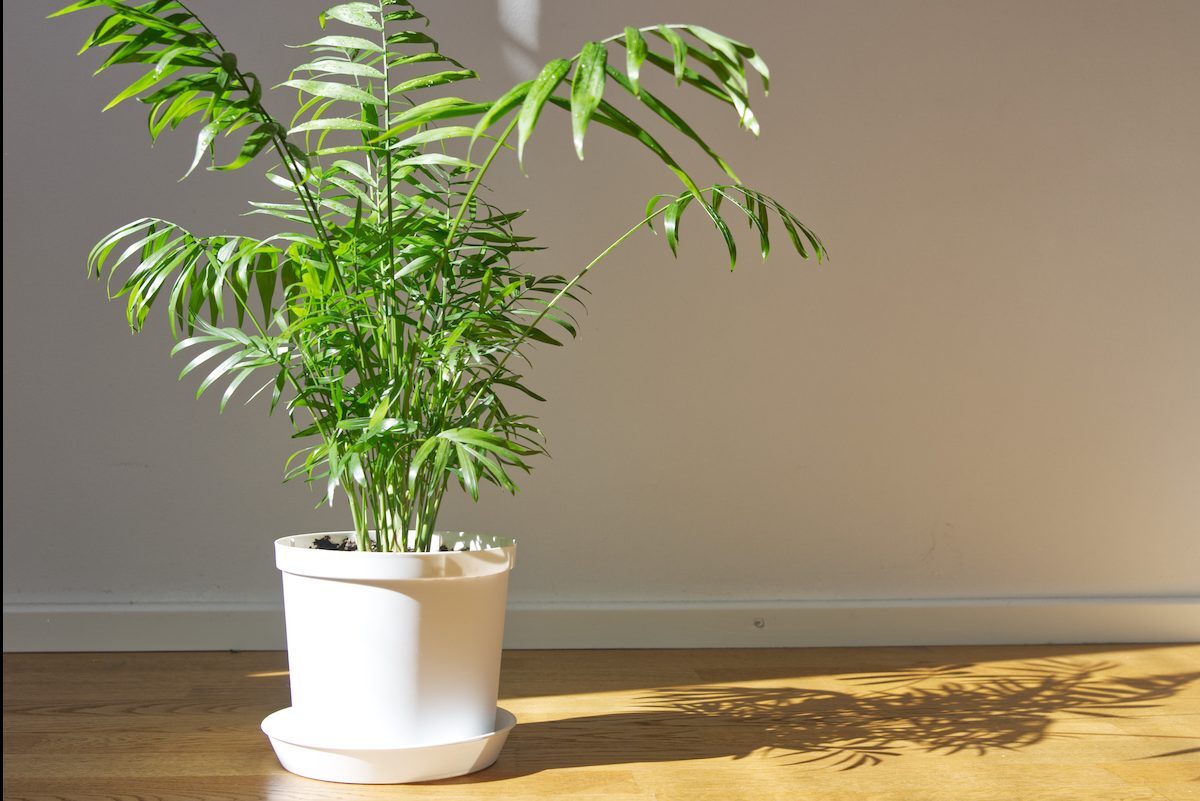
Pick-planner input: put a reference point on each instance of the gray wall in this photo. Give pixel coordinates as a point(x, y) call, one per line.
point(991, 391)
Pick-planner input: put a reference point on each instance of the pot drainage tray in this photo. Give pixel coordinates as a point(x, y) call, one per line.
point(307, 754)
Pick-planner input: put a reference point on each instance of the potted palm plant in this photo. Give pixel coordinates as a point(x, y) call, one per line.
point(388, 318)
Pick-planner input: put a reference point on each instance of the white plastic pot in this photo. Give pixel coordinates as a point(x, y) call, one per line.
point(394, 659)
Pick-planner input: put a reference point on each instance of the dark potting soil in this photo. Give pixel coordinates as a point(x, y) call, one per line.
point(326, 543)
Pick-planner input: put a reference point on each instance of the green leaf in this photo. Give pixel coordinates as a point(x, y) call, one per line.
point(421, 58)
point(735, 88)
point(506, 103)
point(218, 371)
point(140, 85)
point(635, 55)
point(794, 235)
point(203, 142)
point(726, 234)
point(233, 386)
point(335, 91)
point(416, 264)
point(485, 440)
point(184, 344)
point(587, 87)
point(345, 43)
point(496, 473)
point(756, 61)
point(99, 253)
point(470, 475)
point(255, 143)
point(337, 66)
point(265, 279)
point(354, 169)
point(435, 79)
point(431, 111)
point(379, 413)
point(717, 42)
point(419, 458)
point(359, 14)
point(410, 37)
point(671, 222)
point(679, 51)
point(541, 89)
point(435, 158)
point(434, 135)
point(652, 212)
point(398, 14)
point(333, 124)
point(763, 225)
point(73, 7)
point(191, 56)
point(205, 356)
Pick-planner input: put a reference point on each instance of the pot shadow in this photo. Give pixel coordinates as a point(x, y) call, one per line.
point(945, 710)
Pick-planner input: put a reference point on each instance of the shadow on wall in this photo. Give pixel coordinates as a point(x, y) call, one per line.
point(938, 710)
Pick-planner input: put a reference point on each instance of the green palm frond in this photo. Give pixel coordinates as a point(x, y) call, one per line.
point(390, 316)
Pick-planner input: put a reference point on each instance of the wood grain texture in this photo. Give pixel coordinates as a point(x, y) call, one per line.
point(1044, 723)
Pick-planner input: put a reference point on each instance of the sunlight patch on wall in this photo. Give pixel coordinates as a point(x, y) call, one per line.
point(519, 21)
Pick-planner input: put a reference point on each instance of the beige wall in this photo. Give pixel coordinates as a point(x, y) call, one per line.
point(991, 391)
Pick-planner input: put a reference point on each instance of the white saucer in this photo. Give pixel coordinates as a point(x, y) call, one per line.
point(301, 753)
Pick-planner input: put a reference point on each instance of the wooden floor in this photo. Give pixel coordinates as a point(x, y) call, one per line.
point(1093, 723)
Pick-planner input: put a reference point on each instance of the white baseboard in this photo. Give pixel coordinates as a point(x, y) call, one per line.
point(202, 627)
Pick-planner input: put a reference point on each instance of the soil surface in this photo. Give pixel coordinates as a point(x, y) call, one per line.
point(327, 543)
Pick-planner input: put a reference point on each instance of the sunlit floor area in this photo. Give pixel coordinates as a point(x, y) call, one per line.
point(1077, 723)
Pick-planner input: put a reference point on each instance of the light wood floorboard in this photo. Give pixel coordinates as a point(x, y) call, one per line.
point(1003, 723)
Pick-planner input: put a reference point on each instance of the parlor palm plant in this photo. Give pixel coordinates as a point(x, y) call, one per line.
point(390, 314)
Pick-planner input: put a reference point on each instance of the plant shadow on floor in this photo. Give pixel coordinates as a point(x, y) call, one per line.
point(947, 709)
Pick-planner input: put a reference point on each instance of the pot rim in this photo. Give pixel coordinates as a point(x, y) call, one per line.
point(495, 542)
point(292, 555)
